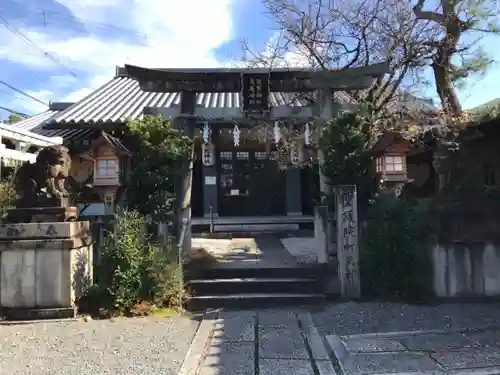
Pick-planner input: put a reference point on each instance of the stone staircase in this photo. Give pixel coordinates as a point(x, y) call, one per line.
point(251, 225)
point(252, 287)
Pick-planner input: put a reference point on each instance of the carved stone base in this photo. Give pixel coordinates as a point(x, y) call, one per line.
point(42, 214)
point(44, 268)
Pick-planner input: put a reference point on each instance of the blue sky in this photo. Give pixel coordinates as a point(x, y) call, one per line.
point(66, 48)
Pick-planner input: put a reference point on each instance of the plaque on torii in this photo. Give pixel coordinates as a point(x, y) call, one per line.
point(255, 89)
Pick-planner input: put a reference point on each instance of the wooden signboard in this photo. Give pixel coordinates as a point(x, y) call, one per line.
point(255, 90)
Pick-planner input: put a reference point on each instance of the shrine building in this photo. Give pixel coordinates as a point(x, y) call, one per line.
point(242, 120)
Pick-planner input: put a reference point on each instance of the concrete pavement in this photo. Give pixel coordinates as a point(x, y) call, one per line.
point(347, 339)
point(341, 338)
point(475, 351)
point(382, 337)
point(267, 342)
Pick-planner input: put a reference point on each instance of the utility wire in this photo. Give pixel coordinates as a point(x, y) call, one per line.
point(47, 54)
point(14, 112)
point(23, 93)
point(85, 21)
point(48, 17)
point(7, 93)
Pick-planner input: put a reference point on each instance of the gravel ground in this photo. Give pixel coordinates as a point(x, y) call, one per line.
point(122, 346)
point(357, 318)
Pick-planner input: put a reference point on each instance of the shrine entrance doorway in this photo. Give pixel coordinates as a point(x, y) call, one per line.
point(250, 184)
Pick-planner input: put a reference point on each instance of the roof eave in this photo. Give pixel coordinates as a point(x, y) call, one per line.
point(71, 124)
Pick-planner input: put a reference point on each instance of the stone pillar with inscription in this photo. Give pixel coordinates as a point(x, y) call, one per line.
point(346, 209)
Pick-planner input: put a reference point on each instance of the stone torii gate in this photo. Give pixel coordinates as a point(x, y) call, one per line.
point(255, 85)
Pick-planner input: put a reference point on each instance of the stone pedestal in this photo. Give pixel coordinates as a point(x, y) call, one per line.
point(44, 268)
point(42, 214)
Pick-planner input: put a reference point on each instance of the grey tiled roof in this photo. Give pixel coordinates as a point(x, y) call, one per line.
point(115, 143)
point(122, 98)
point(35, 121)
point(36, 124)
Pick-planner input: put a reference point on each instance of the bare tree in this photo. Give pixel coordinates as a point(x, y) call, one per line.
point(335, 34)
point(455, 19)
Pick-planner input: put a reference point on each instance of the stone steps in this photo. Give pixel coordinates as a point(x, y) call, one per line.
point(252, 225)
point(248, 233)
point(254, 287)
point(308, 271)
point(244, 286)
point(254, 300)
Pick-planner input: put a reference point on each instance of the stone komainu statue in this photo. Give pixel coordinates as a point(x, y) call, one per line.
point(42, 184)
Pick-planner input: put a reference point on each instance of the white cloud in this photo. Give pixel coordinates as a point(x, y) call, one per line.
point(177, 34)
point(276, 53)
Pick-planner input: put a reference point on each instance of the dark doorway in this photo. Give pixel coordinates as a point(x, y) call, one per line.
point(268, 186)
point(309, 180)
point(249, 184)
point(197, 187)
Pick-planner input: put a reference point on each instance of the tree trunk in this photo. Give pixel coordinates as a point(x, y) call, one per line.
point(442, 65)
point(444, 86)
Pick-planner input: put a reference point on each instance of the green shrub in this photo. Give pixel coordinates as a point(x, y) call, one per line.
point(159, 155)
point(394, 259)
point(345, 144)
point(8, 196)
point(133, 269)
point(163, 281)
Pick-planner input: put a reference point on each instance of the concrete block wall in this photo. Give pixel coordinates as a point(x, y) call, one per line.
point(462, 270)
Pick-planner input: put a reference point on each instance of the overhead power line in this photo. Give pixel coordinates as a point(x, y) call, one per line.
point(45, 13)
point(14, 112)
point(47, 17)
point(24, 93)
point(85, 21)
point(27, 40)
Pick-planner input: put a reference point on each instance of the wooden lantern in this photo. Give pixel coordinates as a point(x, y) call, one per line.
point(390, 157)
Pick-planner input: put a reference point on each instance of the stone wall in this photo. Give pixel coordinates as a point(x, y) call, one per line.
point(466, 270)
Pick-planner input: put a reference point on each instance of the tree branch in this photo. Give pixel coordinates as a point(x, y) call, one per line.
point(427, 15)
